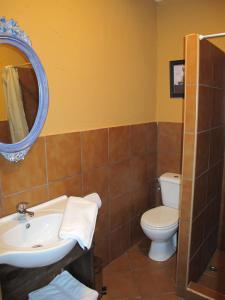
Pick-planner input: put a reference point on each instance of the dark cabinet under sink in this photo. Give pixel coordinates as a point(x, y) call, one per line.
point(17, 283)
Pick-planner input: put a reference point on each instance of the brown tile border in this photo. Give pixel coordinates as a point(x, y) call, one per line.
point(188, 163)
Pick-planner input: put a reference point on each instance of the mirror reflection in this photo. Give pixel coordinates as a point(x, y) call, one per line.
point(18, 95)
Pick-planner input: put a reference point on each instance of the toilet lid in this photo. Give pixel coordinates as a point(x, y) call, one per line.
point(161, 216)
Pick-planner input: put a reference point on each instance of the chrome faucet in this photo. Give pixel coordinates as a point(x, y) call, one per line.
point(22, 210)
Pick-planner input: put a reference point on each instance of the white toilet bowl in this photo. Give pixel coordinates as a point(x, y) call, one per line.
point(160, 224)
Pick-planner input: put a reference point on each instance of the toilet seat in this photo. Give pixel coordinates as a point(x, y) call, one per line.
point(161, 217)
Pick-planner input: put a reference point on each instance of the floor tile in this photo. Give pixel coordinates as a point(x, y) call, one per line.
point(154, 283)
point(215, 280)
point(121, 264)
point(218, 260)
point(134, 276)
point(139, 259)
point(215, 283)
point(170, 296)
point(120, 285)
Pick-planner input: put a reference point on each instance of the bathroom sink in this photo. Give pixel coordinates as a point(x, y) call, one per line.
point(37, 232)
point(34, 242)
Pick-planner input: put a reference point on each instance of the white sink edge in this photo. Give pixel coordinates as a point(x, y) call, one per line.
point(5, 250)
point(40, 261)
point(12, 249)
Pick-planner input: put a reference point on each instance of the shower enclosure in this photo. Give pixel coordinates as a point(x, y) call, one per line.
point(201, 214)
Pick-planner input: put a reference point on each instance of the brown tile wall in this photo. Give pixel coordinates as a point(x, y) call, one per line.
point(202, 159)
point(169, 150)
point(222, 219)
point(119, 163)
point(170, 137)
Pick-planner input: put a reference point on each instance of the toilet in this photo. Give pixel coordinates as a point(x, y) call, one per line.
point(160, 224)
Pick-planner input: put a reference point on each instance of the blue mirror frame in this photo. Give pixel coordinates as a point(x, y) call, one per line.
point(17, 151)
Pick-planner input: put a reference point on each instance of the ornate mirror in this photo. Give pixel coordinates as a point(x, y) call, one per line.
point(23, 92)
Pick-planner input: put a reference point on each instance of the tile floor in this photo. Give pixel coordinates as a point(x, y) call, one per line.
point(215, 280)
point(134, 276)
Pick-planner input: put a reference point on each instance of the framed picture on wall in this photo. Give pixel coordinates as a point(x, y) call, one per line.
point(177, 79)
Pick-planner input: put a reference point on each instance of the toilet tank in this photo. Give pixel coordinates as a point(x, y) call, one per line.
point(170, 189)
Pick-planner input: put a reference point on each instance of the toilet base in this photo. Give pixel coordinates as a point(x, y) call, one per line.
point(161, 251)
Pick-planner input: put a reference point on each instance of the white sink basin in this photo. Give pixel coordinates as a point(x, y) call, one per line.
point(34, 242)
point(39, 231)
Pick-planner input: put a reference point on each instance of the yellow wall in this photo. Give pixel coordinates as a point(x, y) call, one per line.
point(102, 57)
point(175, 19)
point(99, 56)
